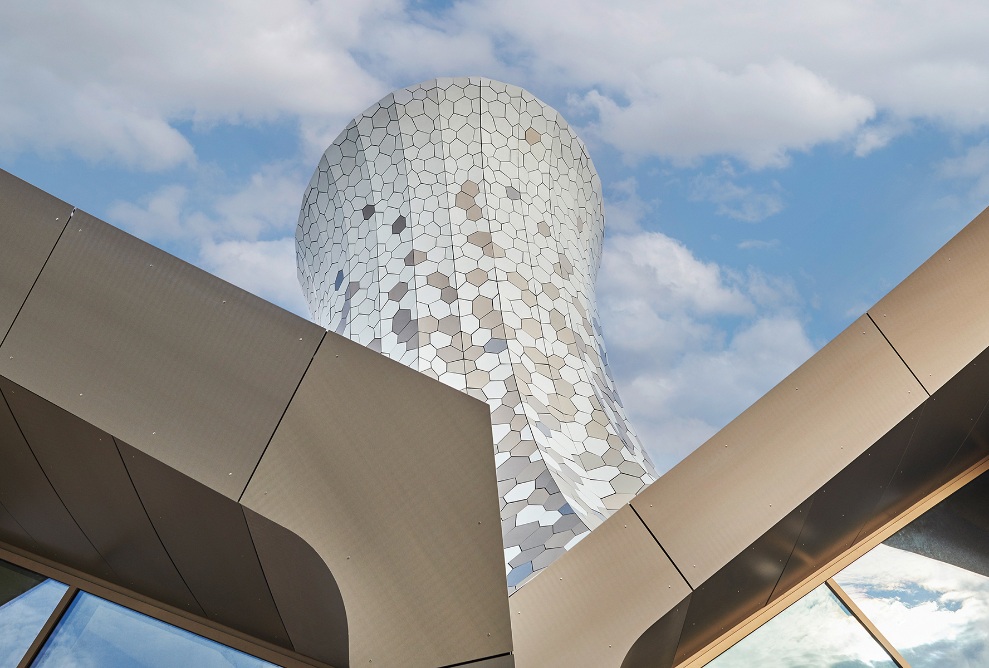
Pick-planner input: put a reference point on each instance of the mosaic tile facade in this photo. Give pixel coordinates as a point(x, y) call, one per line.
point(456, 226)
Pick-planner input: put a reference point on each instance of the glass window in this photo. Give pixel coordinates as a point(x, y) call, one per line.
point(934, 613)
point(817, 631)
point(26, 602)
point(99, 634)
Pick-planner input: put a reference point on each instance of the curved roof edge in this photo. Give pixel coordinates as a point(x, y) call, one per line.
point(173, 436)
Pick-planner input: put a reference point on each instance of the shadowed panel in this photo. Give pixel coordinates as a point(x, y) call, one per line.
point(207, 537)
point(30, 499)
point(83, 465)
point(305, 593)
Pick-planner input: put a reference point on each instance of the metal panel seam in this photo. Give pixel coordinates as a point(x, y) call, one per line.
point(277, 425)
point(19, 525)
point(892, 475)
point(58, 496)
point(793, 548)
point(35, 282)
point(476, 661)
point(264, 575)
point(679, 572)
point(869, 315)
point(164, 548)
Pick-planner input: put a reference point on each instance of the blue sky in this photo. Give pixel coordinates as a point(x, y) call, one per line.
point(770, 168)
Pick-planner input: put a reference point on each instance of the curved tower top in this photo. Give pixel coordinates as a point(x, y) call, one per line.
point(456, 226)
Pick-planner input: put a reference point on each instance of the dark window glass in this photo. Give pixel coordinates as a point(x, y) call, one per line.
point(98, 634)
point(26, 601)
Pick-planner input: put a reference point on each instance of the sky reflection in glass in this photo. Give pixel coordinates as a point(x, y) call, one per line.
point(934, 613)
point(98, 634)
point(815, 632)
point(26, 602)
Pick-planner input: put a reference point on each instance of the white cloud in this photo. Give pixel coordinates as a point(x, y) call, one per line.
point(689, 108)
point(735, 201)
point(691, 344)
point(108, 80)
point(243, 234)
point(971, 167)
point(754, 81)
point(624, 208)
point(265, 268)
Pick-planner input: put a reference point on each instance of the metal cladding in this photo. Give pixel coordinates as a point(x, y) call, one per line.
point(456, 226)
point(171, 442)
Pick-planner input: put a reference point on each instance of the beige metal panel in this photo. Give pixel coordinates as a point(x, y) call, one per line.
point(945, 299)
point(656, 648)
point(30, 222)
point(181, 365)
point(387, 474)
point(766, 462)
point(593, 603)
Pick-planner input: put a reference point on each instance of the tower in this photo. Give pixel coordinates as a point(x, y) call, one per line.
point(456, 226)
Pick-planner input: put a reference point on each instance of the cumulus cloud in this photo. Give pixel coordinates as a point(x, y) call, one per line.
point(679, 81)
point(691, 108)
point(110, 80)
point(243, 234)
point(691, 343)
point(754, 81)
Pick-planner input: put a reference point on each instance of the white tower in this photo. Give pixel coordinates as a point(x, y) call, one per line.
point(456, 226)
